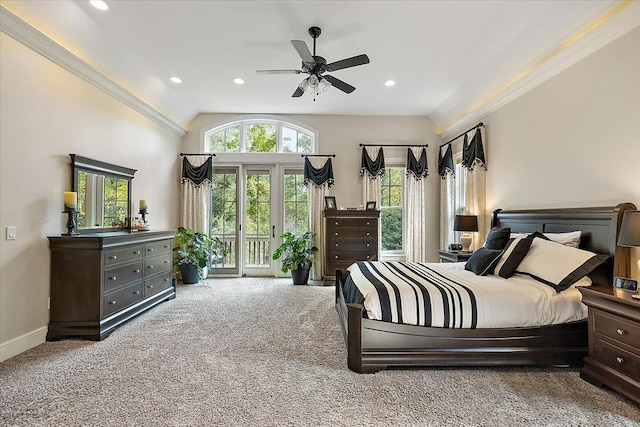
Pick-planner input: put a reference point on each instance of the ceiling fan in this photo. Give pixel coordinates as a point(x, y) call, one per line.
point(316, 66)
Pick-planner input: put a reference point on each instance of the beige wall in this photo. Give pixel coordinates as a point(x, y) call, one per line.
point(341, 135)
point(47, 113)
point(574, 140)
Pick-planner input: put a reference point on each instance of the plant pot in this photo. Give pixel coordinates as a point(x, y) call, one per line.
point(301, 275)
point(190, 274)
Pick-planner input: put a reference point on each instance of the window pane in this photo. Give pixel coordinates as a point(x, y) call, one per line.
point(391, 227)
point(296, 208)
point(305, 143)
point(232, 139)
point(289, 140)
point(261, 138)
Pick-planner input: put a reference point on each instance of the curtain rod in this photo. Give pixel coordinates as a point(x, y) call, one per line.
point(463, 134)
point(317, 155)
point(394, 145)
point(199, 154)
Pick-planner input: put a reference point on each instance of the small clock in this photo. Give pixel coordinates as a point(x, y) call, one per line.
point(624, 283)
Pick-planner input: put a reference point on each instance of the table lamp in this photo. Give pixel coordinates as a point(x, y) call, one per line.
point(465, 223)
point(630, 230)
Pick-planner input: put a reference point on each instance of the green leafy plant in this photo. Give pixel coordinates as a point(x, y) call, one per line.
point(196, 248)
point(295, 250)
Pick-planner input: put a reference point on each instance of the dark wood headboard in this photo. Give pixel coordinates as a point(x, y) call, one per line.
point(600, 227)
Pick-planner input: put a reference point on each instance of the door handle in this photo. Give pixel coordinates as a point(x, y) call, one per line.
point(239, 227)
point(273, 231)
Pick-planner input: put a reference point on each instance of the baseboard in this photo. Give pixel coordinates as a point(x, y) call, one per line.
point(22, 343)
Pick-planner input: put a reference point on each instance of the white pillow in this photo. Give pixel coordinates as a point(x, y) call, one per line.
point(557, 265)
point(571, 239)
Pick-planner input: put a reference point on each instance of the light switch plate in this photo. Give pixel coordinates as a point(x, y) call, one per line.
point(11, 233)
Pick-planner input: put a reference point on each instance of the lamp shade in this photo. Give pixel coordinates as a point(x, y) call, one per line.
point(630, 229)
point(465, 223)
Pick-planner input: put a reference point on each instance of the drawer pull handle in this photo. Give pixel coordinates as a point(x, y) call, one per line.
point(166, 246)
point(137, 270)
point(336, 245)
point(113, 278)
point(336, 234)
point(620, 331)
point(149, 249)
point(368, 233)
point(112, 302)
point(136, 252)
point(150, 286)
point(620, 359)
point(368, 244)
point(149, 266)
point(368, 256)
point(336, 256)
point(136, 292)
point(166, 280)
point(166, 262)
point(113, 257)
point(336, 222)
point(367, 222)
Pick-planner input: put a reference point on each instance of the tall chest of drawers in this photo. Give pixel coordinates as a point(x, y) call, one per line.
point(99, 281)
point(351, 236)
point(614, 340)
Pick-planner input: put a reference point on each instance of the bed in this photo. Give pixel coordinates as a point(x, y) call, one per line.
point(373, 345)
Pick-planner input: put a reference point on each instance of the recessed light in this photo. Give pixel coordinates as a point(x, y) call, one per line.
point(390, 83)
point(99, 4)
point(238, 81)
point(176, 80)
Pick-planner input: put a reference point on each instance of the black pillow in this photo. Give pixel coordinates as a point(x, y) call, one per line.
point(513, 254)
point(497, 238)
point(483, 261)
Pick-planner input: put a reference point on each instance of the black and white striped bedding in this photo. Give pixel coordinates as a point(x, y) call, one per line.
point(446, 295)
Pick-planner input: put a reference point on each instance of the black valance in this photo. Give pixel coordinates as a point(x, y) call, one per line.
point(418, 167)
point(318, 176)
point(445, 162)
point(197, 174)
point(474, 151)
point(375, 168)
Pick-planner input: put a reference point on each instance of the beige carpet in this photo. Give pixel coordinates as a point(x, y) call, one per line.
point(264, 352)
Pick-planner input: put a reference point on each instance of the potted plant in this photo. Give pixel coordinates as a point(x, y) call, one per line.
point(296, 253)
point(193, 253)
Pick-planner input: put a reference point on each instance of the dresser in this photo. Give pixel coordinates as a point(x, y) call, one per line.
point(454, 256)
point(350, 236)
point(614, 340)
point(99, 281)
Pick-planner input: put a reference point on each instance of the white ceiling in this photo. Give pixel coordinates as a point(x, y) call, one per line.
point(446, 56)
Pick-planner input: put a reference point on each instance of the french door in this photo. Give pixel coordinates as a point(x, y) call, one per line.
point(251, 206)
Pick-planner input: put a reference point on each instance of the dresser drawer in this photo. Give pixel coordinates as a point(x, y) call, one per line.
point(351, 222)
point(617, 358)
point(157, 283)
point(120, 276)
point(118, 256)
point(333, 266)
point(157, 248)
point(352, 233)
point(365, 245)
point(616, 328)
point(157, 264)
point(333, 256)
point(116, 301)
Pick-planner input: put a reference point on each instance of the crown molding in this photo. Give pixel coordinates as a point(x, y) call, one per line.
point(583, 45)
point(25, 33)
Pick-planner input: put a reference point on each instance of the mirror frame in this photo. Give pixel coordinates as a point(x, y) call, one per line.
point(81, 163)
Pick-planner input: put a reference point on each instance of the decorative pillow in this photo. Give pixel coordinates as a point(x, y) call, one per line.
point(557, 265)
point(497, 238)
point(514, 252)
point(571, 239)
point(483, 261)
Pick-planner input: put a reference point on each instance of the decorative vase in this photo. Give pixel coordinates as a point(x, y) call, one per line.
point(300, 276)
point(190, 274)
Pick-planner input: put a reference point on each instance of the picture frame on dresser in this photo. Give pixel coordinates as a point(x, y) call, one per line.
point(330, 203)
point(371, 206)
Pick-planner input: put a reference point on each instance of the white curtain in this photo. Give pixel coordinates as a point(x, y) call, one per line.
point(316, 194)
point(196, 200)
point(415, 227)
point(476, 190)
point(371, 185)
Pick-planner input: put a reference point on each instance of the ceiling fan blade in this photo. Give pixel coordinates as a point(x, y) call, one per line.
point(278, 71)
point(303, 51)
point(345, 87)
point(349, 62)
point(298, 93)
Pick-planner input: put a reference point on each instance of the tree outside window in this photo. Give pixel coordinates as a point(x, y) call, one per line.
point(391, 209)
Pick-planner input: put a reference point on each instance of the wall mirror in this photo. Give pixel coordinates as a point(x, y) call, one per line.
point(104, 194)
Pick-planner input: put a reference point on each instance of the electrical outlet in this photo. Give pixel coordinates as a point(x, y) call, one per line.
point(11, 232)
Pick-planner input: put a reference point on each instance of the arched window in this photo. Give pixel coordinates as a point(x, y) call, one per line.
point(260, 134)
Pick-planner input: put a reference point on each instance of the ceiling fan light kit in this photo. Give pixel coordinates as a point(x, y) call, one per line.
point(316, 66)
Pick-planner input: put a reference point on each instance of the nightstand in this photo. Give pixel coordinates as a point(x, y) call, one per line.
point(614, 340)
point(454, 256)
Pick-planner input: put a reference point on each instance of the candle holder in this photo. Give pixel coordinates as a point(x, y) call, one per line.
point(72, 223)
